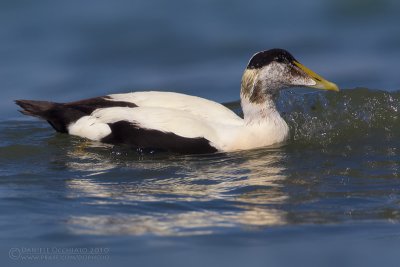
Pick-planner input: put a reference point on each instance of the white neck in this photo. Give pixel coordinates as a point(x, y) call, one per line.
point(263, 125)
point(258, 113)
point(258, 99)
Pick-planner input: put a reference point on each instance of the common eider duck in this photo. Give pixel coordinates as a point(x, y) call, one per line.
point(187, 124)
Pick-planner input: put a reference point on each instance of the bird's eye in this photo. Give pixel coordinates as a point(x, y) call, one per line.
point(279, 59)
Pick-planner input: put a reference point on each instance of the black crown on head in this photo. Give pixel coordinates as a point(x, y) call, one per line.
point(264, 58)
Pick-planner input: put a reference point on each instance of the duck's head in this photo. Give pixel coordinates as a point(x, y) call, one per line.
point(272, 70)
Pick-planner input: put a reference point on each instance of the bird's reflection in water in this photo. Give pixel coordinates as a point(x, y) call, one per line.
point(176, 195)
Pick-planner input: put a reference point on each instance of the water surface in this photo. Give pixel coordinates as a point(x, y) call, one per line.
point(336, 179)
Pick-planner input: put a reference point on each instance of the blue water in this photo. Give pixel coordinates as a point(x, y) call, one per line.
point(329, 197)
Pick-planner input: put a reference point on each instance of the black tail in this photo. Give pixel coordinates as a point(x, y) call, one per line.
point(35, 108)
point(58, 115)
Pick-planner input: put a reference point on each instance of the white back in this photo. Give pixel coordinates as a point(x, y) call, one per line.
point(200, 107)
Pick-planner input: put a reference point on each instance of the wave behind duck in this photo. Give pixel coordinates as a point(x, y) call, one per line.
point(351, 115)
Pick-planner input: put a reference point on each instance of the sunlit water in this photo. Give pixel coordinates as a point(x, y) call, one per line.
point(330, 195)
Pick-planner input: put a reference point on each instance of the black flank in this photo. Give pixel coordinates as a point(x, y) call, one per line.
point(60, 115)
point(123, 132)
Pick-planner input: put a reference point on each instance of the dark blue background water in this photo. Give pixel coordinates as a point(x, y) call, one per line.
point(67, 50)
point(331, 196)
